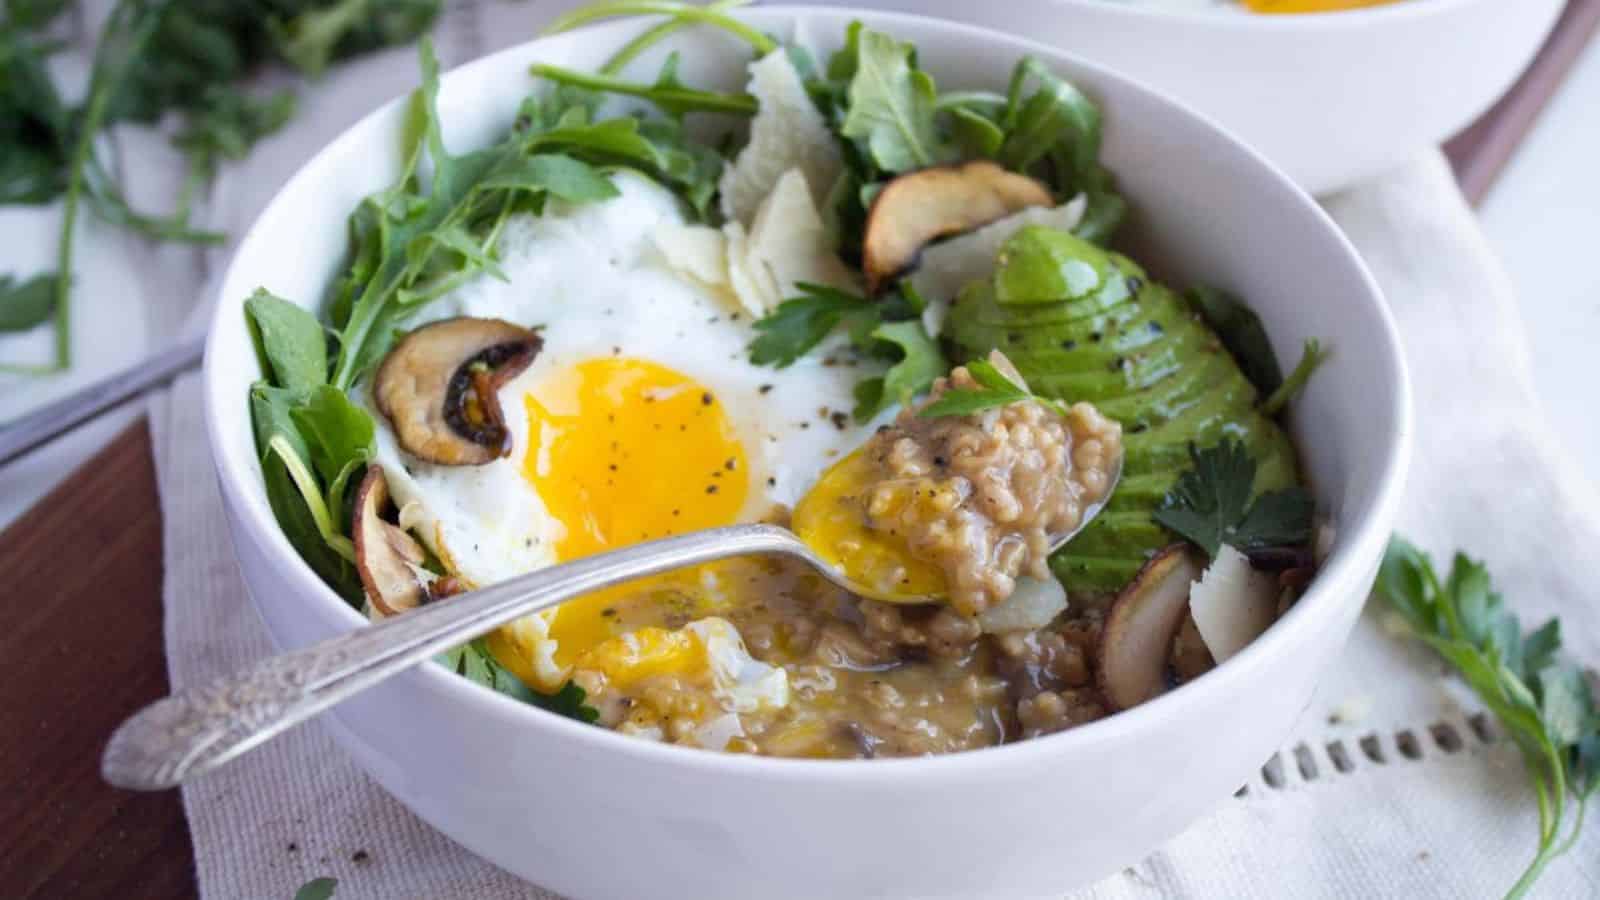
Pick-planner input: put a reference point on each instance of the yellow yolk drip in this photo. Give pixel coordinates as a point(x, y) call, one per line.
point(832, 519)
point(1310, 6)
point(621, 451)
point(630, 658)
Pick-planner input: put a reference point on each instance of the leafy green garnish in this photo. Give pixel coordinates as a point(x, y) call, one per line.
point(28, 304)
point(1211, 504)
point(920, 362)
point(1312, 357)
point(710, 14)
point(1543, 701)
point(800, 323)
point(474, 661)
point(994, 389)
point(667, 92)
point(317, 889)
point(156, 57)
point(293, 345)
point(891, 105)
point(1242, 334)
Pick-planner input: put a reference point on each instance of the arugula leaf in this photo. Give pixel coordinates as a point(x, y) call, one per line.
point(711, 14)
point(1210, 505)
point(1242, 334)
point(474, 661)
point(994, 389)
point(1310, 359)
point(1543, 702)
point(338, 433)
point(800, 323)
point(919, 364)
point(27, 305)
point(1055, 115)
point(290, 341)
point(554, 173)
point(226, 125)
point(317, 889)
point(891, 105)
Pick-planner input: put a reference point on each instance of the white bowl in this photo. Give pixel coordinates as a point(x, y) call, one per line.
point(594, 814)
point(1332, 98)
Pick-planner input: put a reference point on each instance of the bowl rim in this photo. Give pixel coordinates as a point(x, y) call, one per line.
point(1277, 23)
point(1342, 572)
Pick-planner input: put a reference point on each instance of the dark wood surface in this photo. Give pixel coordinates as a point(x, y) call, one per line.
point(82, 642)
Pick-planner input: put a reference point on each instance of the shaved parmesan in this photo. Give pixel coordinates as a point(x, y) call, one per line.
point(755, 287)
point(698, 251)
point(1032, 605)
point(1232, 603)
point(789, 239)
point(945, 268)
point(787, 133)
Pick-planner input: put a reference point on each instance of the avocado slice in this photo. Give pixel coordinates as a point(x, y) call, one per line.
point(1139, 352)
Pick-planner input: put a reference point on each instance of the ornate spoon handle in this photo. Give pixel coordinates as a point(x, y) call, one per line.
point(199, 729)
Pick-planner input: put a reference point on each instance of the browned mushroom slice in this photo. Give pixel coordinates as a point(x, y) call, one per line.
point(931, 203)
point(439, 388)
point(385, 553)
point(1143, 621)
point(1190, 658)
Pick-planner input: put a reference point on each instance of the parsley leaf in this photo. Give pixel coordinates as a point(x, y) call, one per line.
point(800, 323)
point(317, 889)
point(1210, 504)
point(1543, 702)
point(920, 362)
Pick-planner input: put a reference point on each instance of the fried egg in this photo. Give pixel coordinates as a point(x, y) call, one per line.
point(642, 417)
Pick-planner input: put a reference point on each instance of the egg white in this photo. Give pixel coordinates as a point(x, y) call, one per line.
point(591, 278)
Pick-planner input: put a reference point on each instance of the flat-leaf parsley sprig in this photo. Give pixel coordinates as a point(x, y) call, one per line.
point(1544, 703)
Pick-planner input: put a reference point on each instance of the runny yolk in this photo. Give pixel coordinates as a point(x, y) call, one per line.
point(1310, 6)
point(625, 450)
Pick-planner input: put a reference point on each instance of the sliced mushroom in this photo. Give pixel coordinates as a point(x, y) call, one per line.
point(922, 206)
point(1189, 657)
point(439, 388)
point(387, 557)
point(1144, 619)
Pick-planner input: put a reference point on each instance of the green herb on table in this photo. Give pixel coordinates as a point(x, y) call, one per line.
point(1211, 504)
point(994, 389)
point(27, 304)
point(317, 889)
point(1543, 701)
point(156, 57)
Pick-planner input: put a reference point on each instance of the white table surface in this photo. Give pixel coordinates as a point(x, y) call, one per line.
point(1543, 216)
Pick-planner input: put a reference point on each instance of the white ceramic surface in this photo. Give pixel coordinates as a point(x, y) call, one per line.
point(1331, 98)
point(593, 814)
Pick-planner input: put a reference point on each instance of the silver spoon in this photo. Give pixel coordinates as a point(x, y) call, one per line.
point(197, 730)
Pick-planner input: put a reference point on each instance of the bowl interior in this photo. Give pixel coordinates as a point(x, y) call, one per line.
point(1205, 209)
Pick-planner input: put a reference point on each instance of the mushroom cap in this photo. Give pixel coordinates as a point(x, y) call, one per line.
point(386, 556)
point(438, 388)
point(1144, 619)
point(922, 206)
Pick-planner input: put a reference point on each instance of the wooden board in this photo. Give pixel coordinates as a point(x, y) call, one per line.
point(82, 650)
point(82, 640)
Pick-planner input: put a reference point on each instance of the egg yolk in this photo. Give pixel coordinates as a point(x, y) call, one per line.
point(1310, 6)
point(624, 450)
point(832, 520)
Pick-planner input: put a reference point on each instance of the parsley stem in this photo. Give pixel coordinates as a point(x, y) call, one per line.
point(708, 14)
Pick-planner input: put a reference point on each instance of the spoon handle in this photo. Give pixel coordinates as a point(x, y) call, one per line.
point(200, 728)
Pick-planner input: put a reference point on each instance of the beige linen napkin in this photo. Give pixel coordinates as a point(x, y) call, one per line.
point(1326, 818)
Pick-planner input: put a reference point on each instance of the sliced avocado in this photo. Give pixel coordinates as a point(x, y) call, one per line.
point(1043, 265)
point(1140, 353)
